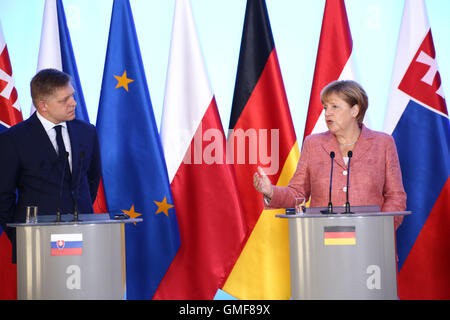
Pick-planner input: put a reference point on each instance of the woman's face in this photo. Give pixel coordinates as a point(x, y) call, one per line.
point(339, 115)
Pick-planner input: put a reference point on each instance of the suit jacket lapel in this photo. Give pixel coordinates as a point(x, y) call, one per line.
point(78, 146)
point(363, 145)
point(361, 149)
point(331, 144)
point(74, 144)
point(38, 134)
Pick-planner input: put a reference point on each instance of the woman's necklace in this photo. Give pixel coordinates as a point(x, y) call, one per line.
point(351, 143)
point(347, 144)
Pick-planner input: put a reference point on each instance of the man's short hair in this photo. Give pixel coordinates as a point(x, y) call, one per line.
point(45, 82)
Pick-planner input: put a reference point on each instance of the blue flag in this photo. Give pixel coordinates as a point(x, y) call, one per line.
point(134, 170)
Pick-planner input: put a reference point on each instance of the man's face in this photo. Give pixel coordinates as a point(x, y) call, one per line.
point(60, 106)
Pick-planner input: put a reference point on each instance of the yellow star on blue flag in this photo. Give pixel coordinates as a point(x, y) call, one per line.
point(134, 168)
point(163, 206)
point(123, 81)
point(133, 214)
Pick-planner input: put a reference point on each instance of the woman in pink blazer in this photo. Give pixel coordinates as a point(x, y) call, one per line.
point(375, 175)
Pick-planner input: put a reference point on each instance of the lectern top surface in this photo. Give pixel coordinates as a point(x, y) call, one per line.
point(67, 219)
point(355, 214)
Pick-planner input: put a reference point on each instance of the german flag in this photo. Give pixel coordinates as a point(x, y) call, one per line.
point(339, 236)
point(260, 113)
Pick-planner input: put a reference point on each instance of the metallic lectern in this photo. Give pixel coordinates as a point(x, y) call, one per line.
point(343, 256)
point(71, 260)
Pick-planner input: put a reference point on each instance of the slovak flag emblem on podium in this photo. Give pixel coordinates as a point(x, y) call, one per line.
point(60, 244)
point(66, 244)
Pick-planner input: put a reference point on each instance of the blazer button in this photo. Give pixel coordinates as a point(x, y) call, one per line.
point(344, 189)
point(344, 172)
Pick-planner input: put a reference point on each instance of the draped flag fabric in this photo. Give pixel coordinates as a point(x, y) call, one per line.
point(335, 61)
point(203, 184)
point(260, 116)
point(10, 114)
point(418, 119)
point(56, 51)
point(134, 170)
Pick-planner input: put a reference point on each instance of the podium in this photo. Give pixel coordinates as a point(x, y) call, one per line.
point(71, 260)
point(343, 256)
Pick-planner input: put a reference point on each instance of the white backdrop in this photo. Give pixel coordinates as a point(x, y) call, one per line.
point(296, 28)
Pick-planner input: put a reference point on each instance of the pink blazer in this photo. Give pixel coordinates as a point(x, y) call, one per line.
point(375, 175)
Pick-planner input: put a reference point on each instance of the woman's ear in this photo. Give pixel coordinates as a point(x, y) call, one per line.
point(355, 110)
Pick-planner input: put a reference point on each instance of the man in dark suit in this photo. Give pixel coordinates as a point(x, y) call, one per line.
point(34, 167)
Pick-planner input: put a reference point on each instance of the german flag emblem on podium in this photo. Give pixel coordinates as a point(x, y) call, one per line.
point(339, 235)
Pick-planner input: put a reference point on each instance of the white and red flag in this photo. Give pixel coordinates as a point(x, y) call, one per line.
point(212, 228)
point(335, 61)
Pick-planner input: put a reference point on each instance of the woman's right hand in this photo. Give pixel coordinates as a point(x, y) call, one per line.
point(262, 183)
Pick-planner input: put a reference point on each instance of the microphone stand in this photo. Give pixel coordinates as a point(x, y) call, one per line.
point(61, 185)
point(347, 204)
point(75, 196)
point(330, 205)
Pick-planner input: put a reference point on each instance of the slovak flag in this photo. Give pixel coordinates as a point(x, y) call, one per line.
point(417, 117)
point(70, 244)
point(10, 114)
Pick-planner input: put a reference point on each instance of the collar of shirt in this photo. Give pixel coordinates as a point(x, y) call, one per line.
point(49, 129)
point(47, 124)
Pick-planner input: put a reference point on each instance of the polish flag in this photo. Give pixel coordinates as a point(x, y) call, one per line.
point(212, 228)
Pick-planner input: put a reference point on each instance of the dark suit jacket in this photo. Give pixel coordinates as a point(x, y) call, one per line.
point(29, 164)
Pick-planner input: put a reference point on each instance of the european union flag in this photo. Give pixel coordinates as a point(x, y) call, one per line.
point(134, 170)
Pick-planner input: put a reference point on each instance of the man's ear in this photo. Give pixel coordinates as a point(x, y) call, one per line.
point(42, 106)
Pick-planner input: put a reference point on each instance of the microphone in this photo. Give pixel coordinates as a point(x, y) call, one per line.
point(61, 185)
point(347, 204)
point(330, 205)
point(77, 188)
